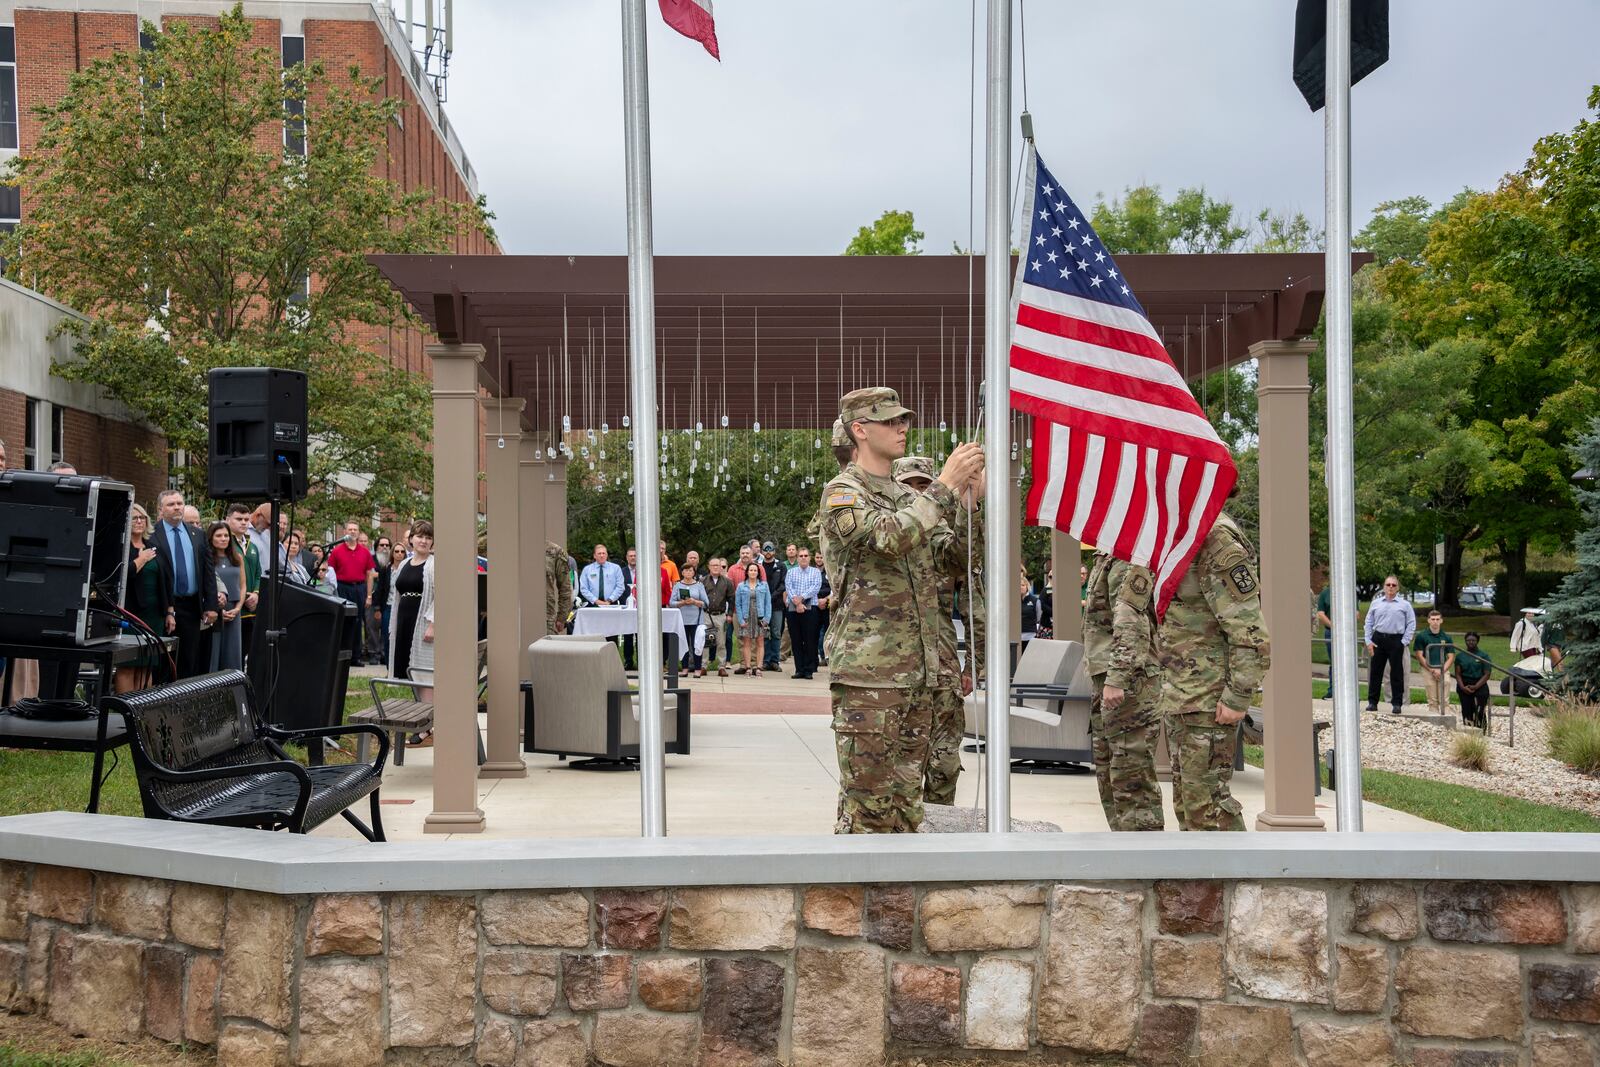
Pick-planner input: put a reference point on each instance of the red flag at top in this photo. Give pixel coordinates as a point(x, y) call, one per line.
point(692, 18)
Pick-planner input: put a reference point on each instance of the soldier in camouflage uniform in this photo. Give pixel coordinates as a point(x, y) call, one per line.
point(1119, 639)
point(844, 450)
point(557, 588)
point(949, 713)
point(1215, 650)
point(884, 648)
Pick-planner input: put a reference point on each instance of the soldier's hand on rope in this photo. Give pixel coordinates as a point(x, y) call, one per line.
point(1226, 716)
point(1111, 698)
point(965, 460)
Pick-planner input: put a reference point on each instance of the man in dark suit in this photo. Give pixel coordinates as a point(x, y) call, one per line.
point(192, 582)
point(630, 582)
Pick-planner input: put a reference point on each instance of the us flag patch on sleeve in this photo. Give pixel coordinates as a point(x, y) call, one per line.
point(842, 500)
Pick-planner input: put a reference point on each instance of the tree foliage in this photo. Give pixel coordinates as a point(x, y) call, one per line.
point(1575, 607)
point(1142, 221)
point(163, 204)
point(894, 233)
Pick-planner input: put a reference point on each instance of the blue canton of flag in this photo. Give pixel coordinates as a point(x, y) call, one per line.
point(1065, 254)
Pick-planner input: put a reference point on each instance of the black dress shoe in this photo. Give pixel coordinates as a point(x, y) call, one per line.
point(1394, 711)
point(1372, 707)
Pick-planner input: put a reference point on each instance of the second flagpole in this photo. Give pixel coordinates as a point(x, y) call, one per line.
point(1000, 570)
point(642, 369)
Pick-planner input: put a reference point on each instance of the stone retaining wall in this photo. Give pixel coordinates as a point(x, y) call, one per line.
point(1235, 973)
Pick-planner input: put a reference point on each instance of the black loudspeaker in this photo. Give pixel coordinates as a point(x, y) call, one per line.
point(63, 556)
point(257, 434)
point(307, 683)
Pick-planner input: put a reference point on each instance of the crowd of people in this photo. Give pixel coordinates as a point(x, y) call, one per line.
point(768, 608)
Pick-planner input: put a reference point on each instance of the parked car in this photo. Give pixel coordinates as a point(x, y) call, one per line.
point(1476, 599)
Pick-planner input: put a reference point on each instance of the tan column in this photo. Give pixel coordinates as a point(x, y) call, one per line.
point(530, 463)
point(503, 425)
point(1283, 388)
point(455, 583)
point(555, 503)
point(1067, 612)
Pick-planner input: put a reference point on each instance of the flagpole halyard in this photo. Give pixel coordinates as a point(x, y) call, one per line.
point(641, 355)
point(1000, 569)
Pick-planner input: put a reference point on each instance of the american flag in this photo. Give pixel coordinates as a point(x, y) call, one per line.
point(1124, 458)
point(692, 18)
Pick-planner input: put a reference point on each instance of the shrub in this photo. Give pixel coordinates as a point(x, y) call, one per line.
point(1470, 750)
point(1575, 737)
point(1537, 584)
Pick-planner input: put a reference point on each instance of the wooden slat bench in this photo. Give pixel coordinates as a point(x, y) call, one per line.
point(402, 717)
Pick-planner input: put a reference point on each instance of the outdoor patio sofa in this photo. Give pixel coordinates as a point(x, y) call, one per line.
point(579, 703)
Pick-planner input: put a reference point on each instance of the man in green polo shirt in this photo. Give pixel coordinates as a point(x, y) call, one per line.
point(1472, 683)
point(1436, 653)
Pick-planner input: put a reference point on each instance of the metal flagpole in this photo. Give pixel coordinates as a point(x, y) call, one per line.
point(1340, 441)
point(1000, 570)
point(641, 356)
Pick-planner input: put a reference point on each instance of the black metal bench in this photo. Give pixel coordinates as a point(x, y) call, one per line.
point(202, 754)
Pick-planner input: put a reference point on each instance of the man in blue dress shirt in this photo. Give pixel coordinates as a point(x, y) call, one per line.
point(801, 585)
point(601, 582)
point(1391, 623)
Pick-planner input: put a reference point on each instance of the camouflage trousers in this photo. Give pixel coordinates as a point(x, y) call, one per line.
point(1202, 767)
point(944, 745)
point(881, 736)
point(1124, 745)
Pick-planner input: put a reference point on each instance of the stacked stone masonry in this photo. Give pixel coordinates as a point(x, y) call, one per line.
point(1320, 974)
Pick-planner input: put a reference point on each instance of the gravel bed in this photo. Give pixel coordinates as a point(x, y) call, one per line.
point(1422, 750)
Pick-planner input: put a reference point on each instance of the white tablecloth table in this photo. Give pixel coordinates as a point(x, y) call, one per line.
point(614, 621)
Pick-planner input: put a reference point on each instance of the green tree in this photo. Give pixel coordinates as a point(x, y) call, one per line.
point(163, 205)
point(1575, 607)
point(1142, 221)
point(1398, 230)
point(895, 233)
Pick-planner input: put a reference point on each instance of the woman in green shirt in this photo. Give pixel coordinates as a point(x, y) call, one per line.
point(1472, 683)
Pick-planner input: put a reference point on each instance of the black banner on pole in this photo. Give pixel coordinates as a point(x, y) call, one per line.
point(1369, 44)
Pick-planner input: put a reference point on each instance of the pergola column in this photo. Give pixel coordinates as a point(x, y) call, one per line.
point(1283, 387)
point(503, 446)
point(455, 598)
point(530, 471)
point(1066, 556)
point(555, 501)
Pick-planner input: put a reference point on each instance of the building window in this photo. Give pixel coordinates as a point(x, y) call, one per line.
point(294, 123)
point(58, 433)
point(8, 87)
point(30, 435)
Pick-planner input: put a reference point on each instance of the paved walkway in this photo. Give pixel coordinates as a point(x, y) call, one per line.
point(762, 762)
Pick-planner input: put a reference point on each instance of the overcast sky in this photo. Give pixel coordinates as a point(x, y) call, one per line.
point(823, 114)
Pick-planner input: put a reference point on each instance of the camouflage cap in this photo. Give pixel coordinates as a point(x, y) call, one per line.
point(913, 469)
point(840, 438)
point(877, 404)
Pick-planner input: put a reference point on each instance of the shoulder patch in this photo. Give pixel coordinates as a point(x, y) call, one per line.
point(841, 500)
point(844, 519)
point(1136, 590)
point(1242, 580)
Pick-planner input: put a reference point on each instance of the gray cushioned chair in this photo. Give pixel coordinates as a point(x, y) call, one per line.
point(579, 703)
point(1049, 707)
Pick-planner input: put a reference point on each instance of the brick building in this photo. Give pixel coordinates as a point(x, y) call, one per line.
point(42, 42)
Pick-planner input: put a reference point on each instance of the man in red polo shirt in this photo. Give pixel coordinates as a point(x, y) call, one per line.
point(353, 569)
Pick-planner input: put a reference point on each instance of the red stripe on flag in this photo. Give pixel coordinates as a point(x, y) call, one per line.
point(1121, 429)
point(1077, 449)
point(1138, 504)
point(1105, 489)
point(1075, 329)
point(1041, 475)
point(1101, 379)
point(694, 21)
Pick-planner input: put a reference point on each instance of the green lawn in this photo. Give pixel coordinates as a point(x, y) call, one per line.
point(1461, 807)
point(11, 1056)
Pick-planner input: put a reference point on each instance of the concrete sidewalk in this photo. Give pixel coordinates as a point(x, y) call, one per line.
point(758, 771)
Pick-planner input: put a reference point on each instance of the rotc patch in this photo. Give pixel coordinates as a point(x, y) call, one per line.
point(1242, 580)
point(844, 520)
point(842, 500)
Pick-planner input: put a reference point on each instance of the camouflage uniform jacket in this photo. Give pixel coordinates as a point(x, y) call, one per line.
point(1214, 641)
point(952, 580)
point(880, 537)
point(817, 534)
point(557, 588)
point(1119, 624)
